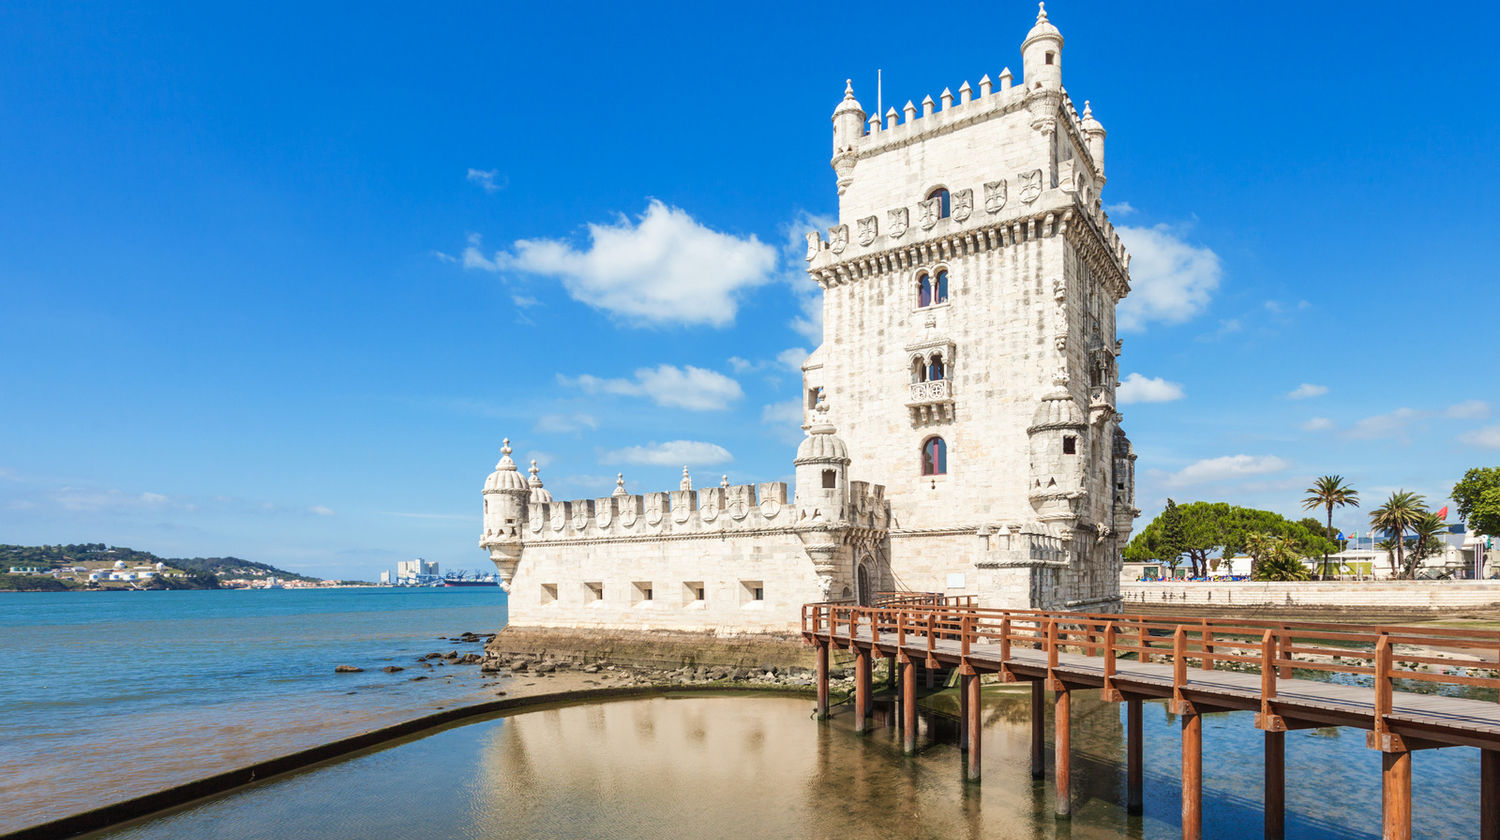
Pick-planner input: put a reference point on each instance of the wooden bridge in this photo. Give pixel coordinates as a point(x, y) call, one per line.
point(1393, 682)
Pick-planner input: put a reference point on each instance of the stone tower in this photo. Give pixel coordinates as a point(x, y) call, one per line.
point(969, 353)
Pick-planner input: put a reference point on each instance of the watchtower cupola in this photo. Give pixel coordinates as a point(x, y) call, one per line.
point(1041, 54)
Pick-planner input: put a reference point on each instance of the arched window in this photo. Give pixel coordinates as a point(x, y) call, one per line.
point(934, 457)
point(918, 370)
point(940, 287)
point(941, 194)
point(924, 290)
point(935, 369)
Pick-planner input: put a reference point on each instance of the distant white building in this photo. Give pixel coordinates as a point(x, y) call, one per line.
point(385, 578)
point(415, 570)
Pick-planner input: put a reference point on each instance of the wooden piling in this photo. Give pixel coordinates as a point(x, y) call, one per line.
point(973, 726)
point(822, 679)
point(1275, 801)
point(862, 667)
point(1192, 775)
point(963, 712)
point(1134, 801)
point(1489, 795)
point(890, 671)
point(1061, 747)
point(1038, 733)
point(1395, 795)
point(909, 707)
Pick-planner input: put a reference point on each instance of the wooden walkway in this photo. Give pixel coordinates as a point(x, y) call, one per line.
point(1397, 683)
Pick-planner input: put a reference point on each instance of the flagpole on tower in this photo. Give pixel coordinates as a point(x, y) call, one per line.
point(878, 102)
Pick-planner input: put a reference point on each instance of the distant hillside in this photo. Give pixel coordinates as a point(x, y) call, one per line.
point(54, 556)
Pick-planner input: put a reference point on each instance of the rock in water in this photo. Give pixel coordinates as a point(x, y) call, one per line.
point(391, 669)
point(348, 669)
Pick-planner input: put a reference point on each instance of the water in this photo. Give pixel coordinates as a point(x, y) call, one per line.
point(108, 696)
point(741, 767)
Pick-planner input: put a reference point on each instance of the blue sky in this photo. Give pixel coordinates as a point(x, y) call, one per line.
point(276, 280)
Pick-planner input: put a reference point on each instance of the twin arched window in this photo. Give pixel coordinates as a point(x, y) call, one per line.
point(934, 456)
point(943, 204)
point(932, 289)
point(929, 369)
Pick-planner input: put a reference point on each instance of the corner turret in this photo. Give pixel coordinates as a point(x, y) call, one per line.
point(1094, 134)
point(848, 127)
point(822, 498)
point(1041, 54)
point(505, 497)
point(1059, 445)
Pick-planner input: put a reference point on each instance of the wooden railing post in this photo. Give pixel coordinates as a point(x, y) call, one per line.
point(1208, 646)
point(1144, 637)
point(966, 629)
point(1283, 650)
point(1384, 685)
point(1051, 646)
point(1109, 693)
point(1179, 660)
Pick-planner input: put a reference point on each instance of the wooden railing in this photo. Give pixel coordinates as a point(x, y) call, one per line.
point(1424, 658)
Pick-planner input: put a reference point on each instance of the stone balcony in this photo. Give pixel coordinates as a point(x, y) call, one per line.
point(931, 401)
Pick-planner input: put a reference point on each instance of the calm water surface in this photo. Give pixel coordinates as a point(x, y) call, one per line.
point(740, 767)
point(111, 695)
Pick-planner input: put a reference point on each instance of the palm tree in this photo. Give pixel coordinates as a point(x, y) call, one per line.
point(1428, 530)
point(1327, 492)
point(1400, 512)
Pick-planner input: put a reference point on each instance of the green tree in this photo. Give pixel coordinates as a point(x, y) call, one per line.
point(1275, 558)
point(1477, 498)
point(1428, 533)
point(1328, 492)
point(1399, 513)
point(1205, 529)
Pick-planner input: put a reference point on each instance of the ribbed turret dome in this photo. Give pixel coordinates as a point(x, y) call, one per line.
point(539, 494)
point(1043, 28)
point(849, 103)
point(505, 476)
point(822, 445)
point(1058, 410)
point(1087, 120)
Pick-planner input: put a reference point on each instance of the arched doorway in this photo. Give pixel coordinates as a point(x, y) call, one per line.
point(862, 585)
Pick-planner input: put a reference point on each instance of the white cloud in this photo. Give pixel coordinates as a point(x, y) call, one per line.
point(564, 423)
point(792, 358)
point(1317, 424)
point(1140, 389)
point(1306, 390)
point(744, 365)
point(783, 414)
point(1171, 281)
point(99, 501)
point(1124, 208)
point(688, 387)
point(487, 179)
point(524, 301)
point(321, 510)
point(1487, 437)
point(666, 268)
point(1467, 410)
point(672, 453)
point(1392, 425)
point(1225, 468)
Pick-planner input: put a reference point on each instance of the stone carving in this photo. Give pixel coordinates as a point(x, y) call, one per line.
point(534, 519)
point(1031, 185)
point(710, 508)
point(628, 514)
point(558, 516)
point(738, 507)
point(654, 512)
point(604, 513)
point(930, 208)
point(994, 197)
point(769, 508)
point(814, 245)
point(900, 220)
point(581, 516)
point(838, 238)
point(680, 513)
point(867, 230)
point(963, 204)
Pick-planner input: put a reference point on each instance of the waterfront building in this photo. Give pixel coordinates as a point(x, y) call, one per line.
point(415, 571)
point(961, 431)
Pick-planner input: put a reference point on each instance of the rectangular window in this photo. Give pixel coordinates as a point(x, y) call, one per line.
point(830, 480)
point(641, 592)
point(593, 592)
point(1070, 445)
point(752, 592)
point(693, 592)
point(549, 593)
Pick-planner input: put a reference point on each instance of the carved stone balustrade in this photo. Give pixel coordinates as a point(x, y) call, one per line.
point(931, 401)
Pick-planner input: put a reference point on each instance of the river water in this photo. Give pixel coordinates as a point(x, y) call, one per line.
point(757, 766)
point(110, 695)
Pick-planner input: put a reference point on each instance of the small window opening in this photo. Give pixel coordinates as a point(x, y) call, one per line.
point(942, 196)
point(918, 370)
point(593, 592)
point(693, 592)
point(1070, 445)
point(1050, 56)
point(752, 591)
point(830, 480)
point(924, 290)
point(759, 595)
point(935, 370)
point(935, 457)
point(940, 287)
point(549, 593)
point(643, 591)
point(812, 397)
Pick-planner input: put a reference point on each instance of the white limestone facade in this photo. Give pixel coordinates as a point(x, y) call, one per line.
point(967, 377)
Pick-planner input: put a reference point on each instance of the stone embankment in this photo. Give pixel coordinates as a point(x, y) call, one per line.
point(1355, 600)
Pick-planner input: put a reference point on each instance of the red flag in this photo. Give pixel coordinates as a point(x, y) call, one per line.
point(1443, 514)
